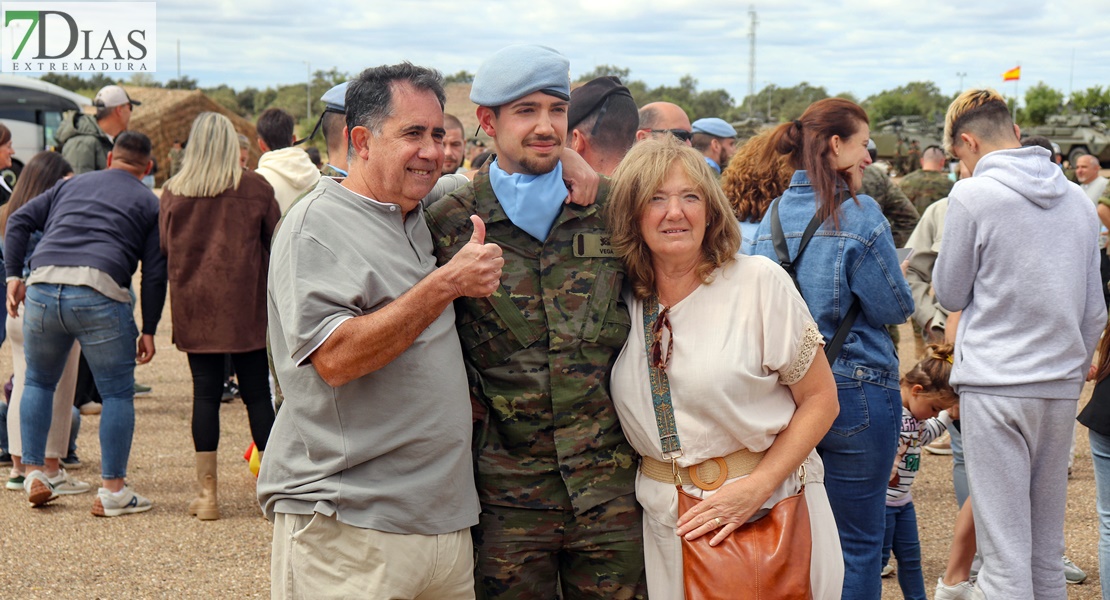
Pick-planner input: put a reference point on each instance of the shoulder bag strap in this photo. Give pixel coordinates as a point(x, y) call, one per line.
point(783, 253)
point(660, 387)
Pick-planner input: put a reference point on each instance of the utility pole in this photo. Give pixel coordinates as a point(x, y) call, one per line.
point(751, 59)
point(961, 75)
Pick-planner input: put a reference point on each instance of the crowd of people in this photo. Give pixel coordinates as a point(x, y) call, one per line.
point(576, 362)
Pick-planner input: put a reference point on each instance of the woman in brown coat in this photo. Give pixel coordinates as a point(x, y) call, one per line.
point(216, 221)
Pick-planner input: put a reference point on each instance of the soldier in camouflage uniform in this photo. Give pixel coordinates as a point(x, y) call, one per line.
point(899, 158)
point(913, 157)
point(555, 474)
point(334, 124)
point(896, 207)
point(928, 184)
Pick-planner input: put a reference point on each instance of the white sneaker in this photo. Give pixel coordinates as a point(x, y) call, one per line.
point(108, 504)
point(1072, 573)
point(64, 485)
point(961, 591)
point(889, 570)
point(38, 488)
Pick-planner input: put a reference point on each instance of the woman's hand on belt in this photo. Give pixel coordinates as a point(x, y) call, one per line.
point(724, 512)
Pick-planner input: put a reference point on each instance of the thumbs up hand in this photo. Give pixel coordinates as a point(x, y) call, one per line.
point(476, 269)
point(479, 235)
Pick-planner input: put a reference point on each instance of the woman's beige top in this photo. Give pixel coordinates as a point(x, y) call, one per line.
point(738, 342)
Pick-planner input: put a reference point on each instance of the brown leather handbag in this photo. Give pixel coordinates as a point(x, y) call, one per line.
point(767, 559)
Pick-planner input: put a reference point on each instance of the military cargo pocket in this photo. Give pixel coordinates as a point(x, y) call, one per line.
point(606, 321)
point(489, 340)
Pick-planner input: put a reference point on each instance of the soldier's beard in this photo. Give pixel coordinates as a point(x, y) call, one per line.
point(536, 165)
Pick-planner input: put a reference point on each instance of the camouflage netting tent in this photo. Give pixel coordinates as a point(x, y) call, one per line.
point(167, 115)
point(459, 104)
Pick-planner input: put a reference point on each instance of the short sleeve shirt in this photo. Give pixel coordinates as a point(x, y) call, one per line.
point(389, 451)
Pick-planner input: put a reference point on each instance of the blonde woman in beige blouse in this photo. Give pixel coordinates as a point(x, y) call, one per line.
point(743, 357)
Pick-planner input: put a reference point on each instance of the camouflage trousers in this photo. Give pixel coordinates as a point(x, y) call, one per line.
point(525, 554)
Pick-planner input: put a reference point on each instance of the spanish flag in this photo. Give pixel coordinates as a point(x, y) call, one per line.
point(1013, 74)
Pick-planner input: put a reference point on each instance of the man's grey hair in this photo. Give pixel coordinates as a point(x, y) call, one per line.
point(1091, 157)
point(369, 99)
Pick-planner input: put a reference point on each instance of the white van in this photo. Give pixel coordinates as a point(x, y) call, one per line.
point(32, 109)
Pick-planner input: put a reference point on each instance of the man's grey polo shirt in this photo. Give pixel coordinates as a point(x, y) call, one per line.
point(389, 451)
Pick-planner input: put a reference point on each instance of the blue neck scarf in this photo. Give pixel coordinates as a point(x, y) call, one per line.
point(532, 202)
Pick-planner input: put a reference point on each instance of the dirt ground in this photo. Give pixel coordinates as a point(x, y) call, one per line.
point(62, 551)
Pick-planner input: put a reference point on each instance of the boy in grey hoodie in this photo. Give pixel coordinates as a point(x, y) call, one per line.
point(1019, 257)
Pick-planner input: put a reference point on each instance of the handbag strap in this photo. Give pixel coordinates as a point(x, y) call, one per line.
point(660, 386)
point(778, 238)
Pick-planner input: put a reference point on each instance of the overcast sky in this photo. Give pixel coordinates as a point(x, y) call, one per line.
point(859, 46)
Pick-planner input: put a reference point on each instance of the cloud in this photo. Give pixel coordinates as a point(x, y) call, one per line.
point(862, 46)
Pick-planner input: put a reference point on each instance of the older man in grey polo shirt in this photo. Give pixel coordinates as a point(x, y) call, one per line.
point(368, 475)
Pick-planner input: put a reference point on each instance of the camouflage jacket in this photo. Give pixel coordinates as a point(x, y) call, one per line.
point(925, 187)
point(539, 352)
point(896, 207)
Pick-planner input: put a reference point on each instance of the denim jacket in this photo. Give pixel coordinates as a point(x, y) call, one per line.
point(856, 260)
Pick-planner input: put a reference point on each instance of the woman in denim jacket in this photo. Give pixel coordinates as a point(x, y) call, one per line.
point(851, 258)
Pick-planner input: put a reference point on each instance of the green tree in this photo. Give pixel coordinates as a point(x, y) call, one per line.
point(182, 83)
point(1094, 100)
point(245, 99)
point(76, 83)
point(1040, 102)
point(921, 98)
point(224, 96)
point(783, 104)
point(460, 77)
point(144, 80)
point(605, 71)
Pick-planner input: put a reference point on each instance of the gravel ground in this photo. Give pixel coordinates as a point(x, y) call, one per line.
point(62, 551)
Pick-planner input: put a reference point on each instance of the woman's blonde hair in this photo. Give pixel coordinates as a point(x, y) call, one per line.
point(932, 375)
point(211, 161)
point(752, 181)
point(639, 176)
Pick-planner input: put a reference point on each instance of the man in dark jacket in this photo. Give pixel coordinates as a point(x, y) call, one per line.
point(96, 228)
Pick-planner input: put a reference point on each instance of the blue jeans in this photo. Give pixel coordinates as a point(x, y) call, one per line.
point(54, 316)
point(858, 453)
point(901, 537)
point(74, 429)
point(1100, 455)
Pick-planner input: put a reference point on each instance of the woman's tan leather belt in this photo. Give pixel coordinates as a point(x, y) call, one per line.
point(708, 475)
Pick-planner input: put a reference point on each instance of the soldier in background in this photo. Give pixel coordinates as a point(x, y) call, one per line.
point(899, 157)
point(716, 140)
point(555, 474)
point(929, 183)
point(913, 157)
point(454, 145)
point(895, 206)
point(602, 122)
point(176, 155)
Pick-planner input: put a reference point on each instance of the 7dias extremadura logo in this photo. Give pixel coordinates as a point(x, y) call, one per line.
point(85, 37)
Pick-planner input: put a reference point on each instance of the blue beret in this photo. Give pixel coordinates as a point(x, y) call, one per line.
point(335, 99)
point(516, 71)
point(715, 127)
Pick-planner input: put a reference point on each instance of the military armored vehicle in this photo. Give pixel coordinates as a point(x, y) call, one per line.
point(750, 126)
point(906, 128)
point(1076, 135)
